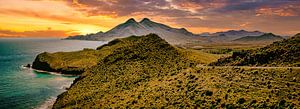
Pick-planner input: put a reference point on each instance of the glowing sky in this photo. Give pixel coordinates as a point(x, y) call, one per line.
point(61, 18)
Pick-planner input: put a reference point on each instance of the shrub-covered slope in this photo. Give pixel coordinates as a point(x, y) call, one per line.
point(147, 72)
point(281, 53)
point(66, 62)
point(190, 88)
point(139, 60)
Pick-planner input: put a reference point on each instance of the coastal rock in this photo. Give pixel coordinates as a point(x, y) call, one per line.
point(42, 62)
point(27, 66)
point(132, 61)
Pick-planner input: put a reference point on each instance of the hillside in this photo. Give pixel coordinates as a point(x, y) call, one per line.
point(267, 37)
point(147, 72)
point(144, 27)
point(281, 53)
point(139, 60)
point(66, 62)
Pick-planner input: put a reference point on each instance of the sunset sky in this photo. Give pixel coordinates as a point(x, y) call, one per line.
point(61, 18)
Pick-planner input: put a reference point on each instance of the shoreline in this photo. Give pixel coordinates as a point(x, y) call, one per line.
point(48, 103)
point(48, 72)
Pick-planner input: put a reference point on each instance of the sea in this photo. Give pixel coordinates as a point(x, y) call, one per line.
point(24, 88)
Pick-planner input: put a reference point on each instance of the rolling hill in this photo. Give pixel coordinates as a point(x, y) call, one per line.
point(280, 53)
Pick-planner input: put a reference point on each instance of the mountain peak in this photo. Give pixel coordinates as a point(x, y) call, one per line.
point(145, 19)
point(183, 29)
point(131, 20)
point(268, 34)
point(143, 27)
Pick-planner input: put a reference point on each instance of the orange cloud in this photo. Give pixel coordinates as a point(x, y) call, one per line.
point(244, 24)
point(46, 15)
point(90, 16)
point(285, 11)
point(40, 33)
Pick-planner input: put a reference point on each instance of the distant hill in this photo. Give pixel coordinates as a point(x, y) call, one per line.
point(144, 27)
point(281, 53)
point(269, 37)
point(231, 35)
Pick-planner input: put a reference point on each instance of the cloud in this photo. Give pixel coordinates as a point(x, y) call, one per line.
point(45, 15)
point(208, 14)
point(186, 8)
point(284, 11)
point(126, 7)
point(214, 14)
point(172, 8)
point(38, 33)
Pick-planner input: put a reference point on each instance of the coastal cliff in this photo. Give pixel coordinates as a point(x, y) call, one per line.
point(41, 62)
point(73, 63)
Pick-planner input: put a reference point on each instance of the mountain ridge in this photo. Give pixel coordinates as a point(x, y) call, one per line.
point(175, 36)
point(264, 37)
point(144, 27)
point(231, 35)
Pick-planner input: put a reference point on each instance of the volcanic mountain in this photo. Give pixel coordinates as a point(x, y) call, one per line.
point(144, 27)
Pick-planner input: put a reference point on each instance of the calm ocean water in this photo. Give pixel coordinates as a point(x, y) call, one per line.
point(22, 88)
